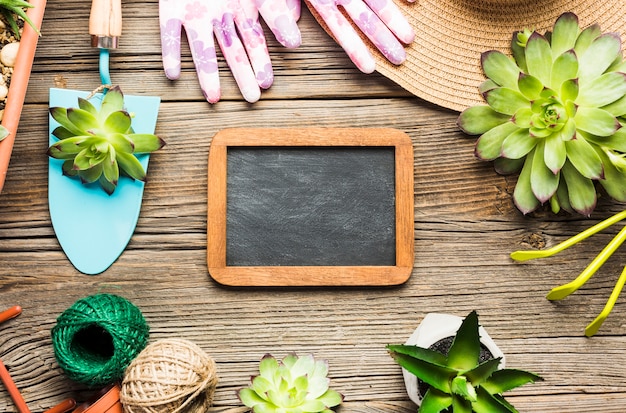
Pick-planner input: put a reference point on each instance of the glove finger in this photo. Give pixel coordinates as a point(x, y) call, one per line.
point(391, 15)
point(256, 48)
point(295, 7)
point(375, 30)
point(344, 34)
point(170, 28)
point(280, 18)
point(202, 46)
point(235, 55)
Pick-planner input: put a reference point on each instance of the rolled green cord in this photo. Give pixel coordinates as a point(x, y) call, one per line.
point(97, 337)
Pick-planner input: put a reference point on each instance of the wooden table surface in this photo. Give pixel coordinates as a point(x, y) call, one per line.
point(465, 228)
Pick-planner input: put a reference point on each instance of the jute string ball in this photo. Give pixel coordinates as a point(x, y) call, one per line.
point(169, 376)
point(97, 337)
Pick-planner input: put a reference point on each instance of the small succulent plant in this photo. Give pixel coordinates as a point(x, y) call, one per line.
point(11, 8)
point(457, 380)
point(292, 385)
point(99, 144)
point(555, 113)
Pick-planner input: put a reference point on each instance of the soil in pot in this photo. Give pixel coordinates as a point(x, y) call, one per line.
point(9, 45)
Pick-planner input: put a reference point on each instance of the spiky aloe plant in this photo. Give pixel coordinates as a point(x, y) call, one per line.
point(294, 384)
point(458, 380)
point(555, 114)
point(11, 8)
point(98, 144)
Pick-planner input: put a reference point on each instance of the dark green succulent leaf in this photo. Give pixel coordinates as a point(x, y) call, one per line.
point(113, 101)
point(569, 92)
point(519, 52)
point(530, 86)
point(84, 104)
point(583, 157)
point(581, 190)
point(615, 180)
point(489, 145)
point(617, 108)
point(68, 168)
point(564, 33)
point(461, 405)
point(505, 100)
point(477, 120)
point(487, 403)
point(432, 374)
point(603, 90)
point(145, 142)
point(500, 68)
point(61, 132)
point(586, 37)
point(505, 166)
point(518, 144)
point(522, 118)
point(600, 54)
point(561, 198)
point(465, 349)
point(131, 166)
point(109, 187)
point(483, 371)
point(554, 153)
point(435, 401)
point(67, 148)
point(542, 180)
point(487, 85)
point(523, 196)
point(110, 169)
point(424, 354)
point(91, 174)
point(565, 67)
point(539, 58)
point(596, 121)
point(117, 122)
point(508, 379)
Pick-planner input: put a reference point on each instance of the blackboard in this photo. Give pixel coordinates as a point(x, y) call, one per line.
point(310, 207)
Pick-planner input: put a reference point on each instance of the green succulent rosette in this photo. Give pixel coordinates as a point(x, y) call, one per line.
point(97, 145)
point(555, 114)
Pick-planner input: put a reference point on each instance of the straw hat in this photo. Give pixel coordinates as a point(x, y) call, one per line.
point(443, 63)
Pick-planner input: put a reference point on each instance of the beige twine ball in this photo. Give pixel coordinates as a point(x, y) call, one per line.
point(169, 376)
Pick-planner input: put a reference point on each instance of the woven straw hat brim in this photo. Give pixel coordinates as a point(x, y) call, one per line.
point(443, 63)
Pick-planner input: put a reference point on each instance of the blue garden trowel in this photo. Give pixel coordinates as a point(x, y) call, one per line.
point(93, 227)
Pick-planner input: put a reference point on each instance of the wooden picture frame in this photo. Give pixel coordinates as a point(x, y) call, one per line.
point(310, 275)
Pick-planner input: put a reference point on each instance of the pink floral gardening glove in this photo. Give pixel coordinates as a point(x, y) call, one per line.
point(380, 20)
point(235, 24)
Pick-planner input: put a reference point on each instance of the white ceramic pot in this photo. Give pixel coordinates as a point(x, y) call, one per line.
point(435, 327)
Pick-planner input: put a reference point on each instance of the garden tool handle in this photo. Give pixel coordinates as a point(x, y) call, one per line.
point(105, 23)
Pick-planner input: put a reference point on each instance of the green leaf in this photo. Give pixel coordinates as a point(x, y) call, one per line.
point(539, 58)
point(505, 100)
point(518, 144)
point(569, 90)
point(117, 122)
point(84, 104)
point(250, 398)
point(519, 52)
point(120, 142)
point(617, 108)
point(61, 132)
point(110, 169)
point(91, 174)
point(477, 120)
point(565, 67)
point(500, 68)
point(583, 157)
point(131, 166)
point(312, 406)
point(489, 145)
point(82, 119)
point(66, 148)
point(487, 85)
point(505, 166)
point(435, 401)
point(542, 180)
point(596, 121)
point(465, 349)
point(483, 371)
point(617, 141)
point(554, 153)
point(523, 118)
point(433, 374)
point(331, 398)
point(487, 403)
point(564, 33)
point(600, 54)
point(614, 181)
point(581, 190)
point(586, 37)
point(560, 200)
point(421, 353)
point(523, 195)
point(530, 86)
point(60, 115)
point(112, 102)
point(461, 405)
point(507, 379)
point(603, 90)
point(460, 386)
point(145, 143)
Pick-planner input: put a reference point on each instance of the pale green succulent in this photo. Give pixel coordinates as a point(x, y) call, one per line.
point(99, 144)
point(555, 114)
point(11, 8)
point(292, 385)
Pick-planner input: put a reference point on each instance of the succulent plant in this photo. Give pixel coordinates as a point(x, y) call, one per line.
point(99, 144)
point(555, 113)
point(292, 385)
point(11, 8)
point(457, 380)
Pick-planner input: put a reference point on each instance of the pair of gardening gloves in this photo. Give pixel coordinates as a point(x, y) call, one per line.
point(236, 27)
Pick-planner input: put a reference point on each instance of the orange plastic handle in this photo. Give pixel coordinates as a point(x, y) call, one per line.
point(10, 313)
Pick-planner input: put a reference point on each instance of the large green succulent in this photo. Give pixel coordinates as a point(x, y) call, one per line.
point(292, 385)
point(98, 144)
point(457, 381)
point(555, 113)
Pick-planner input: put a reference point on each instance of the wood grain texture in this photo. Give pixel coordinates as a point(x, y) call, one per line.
point(465, 226)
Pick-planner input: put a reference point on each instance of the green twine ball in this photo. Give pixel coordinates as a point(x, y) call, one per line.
point(97, 337)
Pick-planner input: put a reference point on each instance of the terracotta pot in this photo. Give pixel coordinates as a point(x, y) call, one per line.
point(436, 327)
point(105, 401)
point(19, 84)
